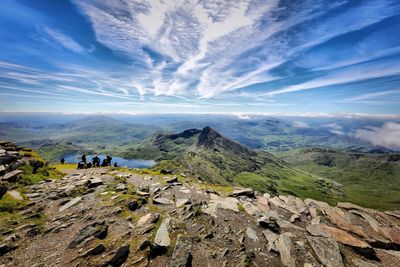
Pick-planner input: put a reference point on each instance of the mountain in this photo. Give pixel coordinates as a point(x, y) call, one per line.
point(92, 132)
point(211, 157)
point(371, 180)
point(62, 216)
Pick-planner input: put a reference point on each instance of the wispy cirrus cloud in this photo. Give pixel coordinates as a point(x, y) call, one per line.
point(216, 46)
point(56, 37)
point(249, 54)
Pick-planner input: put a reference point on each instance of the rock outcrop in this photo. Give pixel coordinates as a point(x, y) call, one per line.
point(88, 219)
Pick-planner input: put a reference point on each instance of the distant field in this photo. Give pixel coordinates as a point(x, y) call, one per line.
point(369, 180)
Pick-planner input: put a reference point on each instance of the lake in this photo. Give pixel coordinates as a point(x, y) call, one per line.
point(130, 163)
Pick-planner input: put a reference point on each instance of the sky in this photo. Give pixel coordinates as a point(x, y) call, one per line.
point(204, 56)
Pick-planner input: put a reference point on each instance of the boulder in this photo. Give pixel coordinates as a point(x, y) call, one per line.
point(3, 189)
point(269, 222)
point(120, 256)
point(327, 251)
point(2, 169)
point(247, 192)
point(161, 240)
point(181, 256)
point(216, 202)
point(71, 203)
point(149, 217)
point(271, 239)
point(171, 180)
point(97, 250)
point(262, 203)
point(284, 245)
point(339, 235)
point(181, 202)
point(7, 247)
point(133, 205)
point(163, 201)
point(251, 234)
point(7, 158)
point(94, 182)
point(15, 195)
point(12, 176)
point(97, 229)
point(251, 209)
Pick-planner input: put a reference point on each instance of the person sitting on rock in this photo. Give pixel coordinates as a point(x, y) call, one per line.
point(81, 165)
point(104, 163)
point(84, 158)
point(96, 161)
point(115, 164)
point(62, 161)
point(109, 159)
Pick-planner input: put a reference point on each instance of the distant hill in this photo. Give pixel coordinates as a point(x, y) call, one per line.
point(212, 157)
point(94, 132)
point(371, 180)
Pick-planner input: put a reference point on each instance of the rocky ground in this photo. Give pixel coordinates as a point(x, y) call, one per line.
point(117, 217)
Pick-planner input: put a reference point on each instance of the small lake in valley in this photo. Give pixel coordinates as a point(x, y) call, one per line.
point(130, 163)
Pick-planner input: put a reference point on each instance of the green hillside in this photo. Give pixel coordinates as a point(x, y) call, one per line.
point(370, 180)
point(209, 156)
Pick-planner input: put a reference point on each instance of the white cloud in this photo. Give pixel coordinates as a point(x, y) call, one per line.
point(333, 126)
point(219, 46)
point(372, 95)
point(300, 124)
point(388, 135)
point(51, 36)
point(346, 75)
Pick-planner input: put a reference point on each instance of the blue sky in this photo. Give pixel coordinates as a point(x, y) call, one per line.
point(148, 56)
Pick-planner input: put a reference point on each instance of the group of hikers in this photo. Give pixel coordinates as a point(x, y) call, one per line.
point(84, 164)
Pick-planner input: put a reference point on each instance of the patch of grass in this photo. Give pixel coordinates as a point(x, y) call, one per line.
point(217, 188)
point(27, 152)
point(64, 167)
point(9, 204)
point(45, 172)
point(240, 207)
point(153, 208)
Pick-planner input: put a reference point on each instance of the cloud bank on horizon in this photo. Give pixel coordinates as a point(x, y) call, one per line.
point(205, 55)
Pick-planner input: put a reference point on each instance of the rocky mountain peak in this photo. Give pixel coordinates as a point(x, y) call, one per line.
point(207, 137)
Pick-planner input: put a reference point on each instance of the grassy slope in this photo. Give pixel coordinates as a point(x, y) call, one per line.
point(369, 180)
point(224, 162)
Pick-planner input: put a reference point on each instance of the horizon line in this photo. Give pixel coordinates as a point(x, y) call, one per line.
point(242, 115)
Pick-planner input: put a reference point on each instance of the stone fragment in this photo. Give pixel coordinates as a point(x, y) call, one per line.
point(12, 176)
point(337, 234)
point(271, 238)
point(15, 195)
point(216, 202)
point(262, 203)
point(119, 257)
point(162, 239)
point(327, 250)
point(94, 182)
point(97, 250)
point(170, 180)
point(247, 192)
point(284, 245)
point(133, 205)
point(181, 202)
point(251, 234)
point(181, 256)
point(71, 203)
point(97, 229)
point(163, 201)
